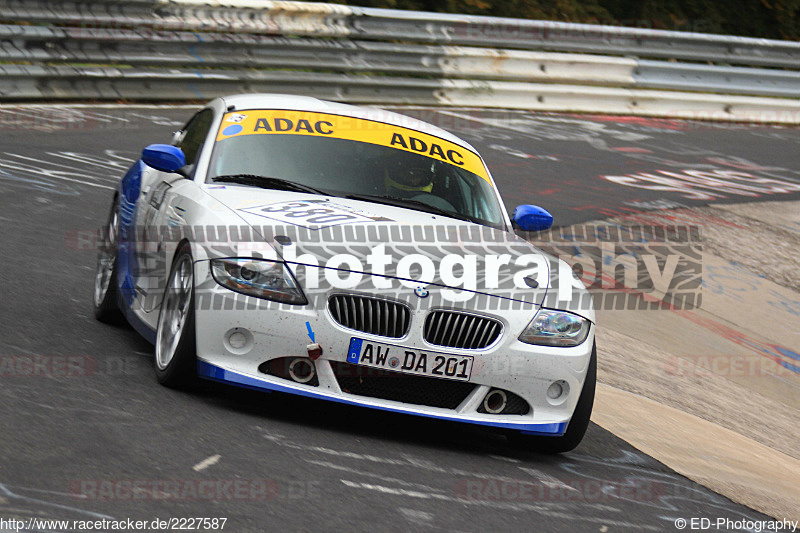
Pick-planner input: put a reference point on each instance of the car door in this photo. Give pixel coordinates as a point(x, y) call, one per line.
point(155, 217)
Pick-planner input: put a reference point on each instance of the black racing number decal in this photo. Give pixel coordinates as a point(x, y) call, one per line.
point(440, 362)
point(304, 213)
point(463, 373)
point(313, 215)
point(284, 207)
point(450, 369)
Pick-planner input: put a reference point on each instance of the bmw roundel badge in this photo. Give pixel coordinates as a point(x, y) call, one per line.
point(421, 291)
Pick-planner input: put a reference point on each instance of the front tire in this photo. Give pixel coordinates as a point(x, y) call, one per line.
point(577, 426)
point(106, 306)
point(175, 353)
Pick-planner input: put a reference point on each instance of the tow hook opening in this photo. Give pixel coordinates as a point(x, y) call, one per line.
point(495, 401)
point(301, 370)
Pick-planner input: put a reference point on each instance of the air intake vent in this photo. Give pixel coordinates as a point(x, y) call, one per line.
point(461, 330)
point(370, 315)
point(387, 385)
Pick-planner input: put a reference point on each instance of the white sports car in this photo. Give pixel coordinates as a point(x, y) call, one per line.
point(349, 254)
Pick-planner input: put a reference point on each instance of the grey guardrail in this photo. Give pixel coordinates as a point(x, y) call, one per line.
point(195, 49)
point(386, 24)
point(569, 37)
point(731, 80)
point(26, 82)
point(189, 49)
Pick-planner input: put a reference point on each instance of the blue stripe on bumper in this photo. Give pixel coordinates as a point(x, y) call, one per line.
point(208, 371)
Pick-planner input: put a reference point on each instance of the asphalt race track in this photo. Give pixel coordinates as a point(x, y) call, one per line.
point(88, 433)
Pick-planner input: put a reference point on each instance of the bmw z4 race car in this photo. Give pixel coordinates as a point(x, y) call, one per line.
point(348, 254)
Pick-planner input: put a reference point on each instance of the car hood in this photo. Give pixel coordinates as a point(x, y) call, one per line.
point(409, 248)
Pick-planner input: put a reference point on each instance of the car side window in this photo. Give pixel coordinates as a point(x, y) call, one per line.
point(194, 135)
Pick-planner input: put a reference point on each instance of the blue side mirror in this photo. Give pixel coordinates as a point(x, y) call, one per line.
point(532, 218)
point(164, 157)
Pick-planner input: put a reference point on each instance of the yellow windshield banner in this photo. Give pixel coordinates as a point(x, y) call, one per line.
point(279, 122)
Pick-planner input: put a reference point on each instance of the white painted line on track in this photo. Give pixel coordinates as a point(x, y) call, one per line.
point(547, 480)
point(505, 459)
point(405, 461)
point(417, 517)
point(205, 463)
point(399, 492)
point(362, 472)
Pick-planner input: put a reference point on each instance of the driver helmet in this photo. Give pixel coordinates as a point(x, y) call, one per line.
point(414, 177)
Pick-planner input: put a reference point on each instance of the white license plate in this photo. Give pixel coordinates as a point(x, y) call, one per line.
point(409, 360)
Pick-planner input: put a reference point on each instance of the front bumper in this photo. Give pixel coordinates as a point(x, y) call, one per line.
point(274, 331)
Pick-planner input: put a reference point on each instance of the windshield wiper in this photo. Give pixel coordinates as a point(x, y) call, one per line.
point(409, 204)
point(265, 182)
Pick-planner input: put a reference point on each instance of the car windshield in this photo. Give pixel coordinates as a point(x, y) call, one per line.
point(386, 173)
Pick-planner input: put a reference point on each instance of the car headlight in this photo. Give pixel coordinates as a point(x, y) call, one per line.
point(270, 280)
point(556, 328)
